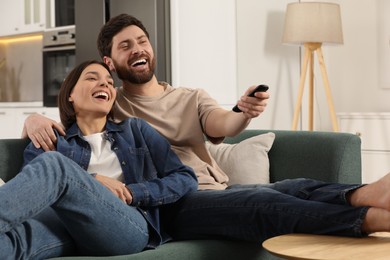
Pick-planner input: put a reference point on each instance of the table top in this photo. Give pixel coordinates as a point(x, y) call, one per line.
point(306, 246)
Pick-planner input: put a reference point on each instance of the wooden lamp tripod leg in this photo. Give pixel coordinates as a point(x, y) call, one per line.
point(327, 90)
point(311, 91)
point(306, 59)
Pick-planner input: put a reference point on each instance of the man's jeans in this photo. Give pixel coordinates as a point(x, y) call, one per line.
point(257, 212)
point(53, 207)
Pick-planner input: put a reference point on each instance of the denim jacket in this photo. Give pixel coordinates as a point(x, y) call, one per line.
point(152, 171)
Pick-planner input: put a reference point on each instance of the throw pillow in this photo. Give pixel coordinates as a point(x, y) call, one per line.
point(245, 162)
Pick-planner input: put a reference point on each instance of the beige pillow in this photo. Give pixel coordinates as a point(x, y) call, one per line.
point(245, 162)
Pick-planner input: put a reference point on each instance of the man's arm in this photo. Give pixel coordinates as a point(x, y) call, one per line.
point(40, 131)
point(223, 122)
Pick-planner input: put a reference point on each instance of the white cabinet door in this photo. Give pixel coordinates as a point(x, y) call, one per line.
point(12, 119)
point(52, 113)
point(10, 17)
point(20, 117)
point(375, 164)
point(7, 121)
point(34, 18)
point(23, 113)
point(22, 16)
point(373, 129)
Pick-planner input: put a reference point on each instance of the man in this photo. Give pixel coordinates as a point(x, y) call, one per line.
point(184, 116)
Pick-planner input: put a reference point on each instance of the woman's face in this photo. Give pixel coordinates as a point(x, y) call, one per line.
point(94, 93)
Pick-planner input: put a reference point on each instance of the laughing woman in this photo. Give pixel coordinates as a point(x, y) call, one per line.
point(101, 191)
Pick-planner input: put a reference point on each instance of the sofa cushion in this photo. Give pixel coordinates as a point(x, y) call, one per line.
point(245, 162)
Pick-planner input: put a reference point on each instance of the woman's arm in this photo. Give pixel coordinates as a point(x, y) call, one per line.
point(174, 179)
point(32, 151)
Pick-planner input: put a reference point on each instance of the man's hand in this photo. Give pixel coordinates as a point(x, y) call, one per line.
point(253, 106)
point(118, 188)
point(222, 122)
point(40, 131)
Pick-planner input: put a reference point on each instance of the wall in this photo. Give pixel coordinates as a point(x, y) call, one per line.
point(234, 44)
point(354, 67)
point(262, 58)
point(356, 63)
point(204, 47)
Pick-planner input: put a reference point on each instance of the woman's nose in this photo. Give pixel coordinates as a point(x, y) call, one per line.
point(104, 83)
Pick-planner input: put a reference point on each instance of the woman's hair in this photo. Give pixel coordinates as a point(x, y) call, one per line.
point(67, 112)
point(112, 28)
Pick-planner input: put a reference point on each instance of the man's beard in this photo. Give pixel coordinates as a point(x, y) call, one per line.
point(135, 77)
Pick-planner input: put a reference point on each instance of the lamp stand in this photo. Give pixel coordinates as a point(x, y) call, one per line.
point(310, 48)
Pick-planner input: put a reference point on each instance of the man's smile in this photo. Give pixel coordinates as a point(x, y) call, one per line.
point(139, 62)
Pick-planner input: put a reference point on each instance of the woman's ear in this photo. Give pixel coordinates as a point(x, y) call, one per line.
point(107, 60)
point(70, 99)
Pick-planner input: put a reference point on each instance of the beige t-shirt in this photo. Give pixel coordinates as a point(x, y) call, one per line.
point(180, 115)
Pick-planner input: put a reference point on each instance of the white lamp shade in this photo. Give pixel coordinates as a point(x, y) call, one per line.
point(312, 22)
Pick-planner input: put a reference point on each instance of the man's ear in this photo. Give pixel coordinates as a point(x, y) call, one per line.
point(107, 60)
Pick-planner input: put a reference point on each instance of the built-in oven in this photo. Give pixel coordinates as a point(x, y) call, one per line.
point(59, 57)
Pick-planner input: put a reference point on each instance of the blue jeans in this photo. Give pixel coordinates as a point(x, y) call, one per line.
point(54, 208)
point(257, 212)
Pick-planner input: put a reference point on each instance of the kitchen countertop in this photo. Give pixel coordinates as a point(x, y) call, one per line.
point(21, 104)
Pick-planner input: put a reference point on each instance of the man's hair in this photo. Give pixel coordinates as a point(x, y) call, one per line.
point(113, 27)
point(67, 112)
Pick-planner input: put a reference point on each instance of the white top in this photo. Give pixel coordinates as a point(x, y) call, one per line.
point(103, 160)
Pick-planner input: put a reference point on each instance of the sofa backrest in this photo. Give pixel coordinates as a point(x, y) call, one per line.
point(326, 156)
point(11, 157)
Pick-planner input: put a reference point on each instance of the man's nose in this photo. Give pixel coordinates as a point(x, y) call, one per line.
point(137, 50)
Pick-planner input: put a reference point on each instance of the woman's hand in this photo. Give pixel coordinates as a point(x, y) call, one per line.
point(118, 188)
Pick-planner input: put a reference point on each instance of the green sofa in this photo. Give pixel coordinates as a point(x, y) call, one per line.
point(332, 157)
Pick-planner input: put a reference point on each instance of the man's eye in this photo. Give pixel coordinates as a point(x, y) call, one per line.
point(124, 46)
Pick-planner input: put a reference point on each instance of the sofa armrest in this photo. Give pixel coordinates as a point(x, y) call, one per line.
point(11, 157)
point(326, 156)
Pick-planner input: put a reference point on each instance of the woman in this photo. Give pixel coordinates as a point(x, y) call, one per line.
point(101, 191)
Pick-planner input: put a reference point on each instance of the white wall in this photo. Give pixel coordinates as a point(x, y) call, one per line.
point(261, 58)
point(211, 35)
point(204, 47)
point(353, 68)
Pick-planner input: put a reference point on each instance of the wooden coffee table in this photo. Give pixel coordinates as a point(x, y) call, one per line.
point(305, 246)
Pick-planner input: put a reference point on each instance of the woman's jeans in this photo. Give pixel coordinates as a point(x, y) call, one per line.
point(53, 208)
point(257, 212)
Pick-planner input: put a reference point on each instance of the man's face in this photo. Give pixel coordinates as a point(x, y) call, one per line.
point(132, 56)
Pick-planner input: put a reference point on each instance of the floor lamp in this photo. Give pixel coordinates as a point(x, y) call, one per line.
point(312, 24)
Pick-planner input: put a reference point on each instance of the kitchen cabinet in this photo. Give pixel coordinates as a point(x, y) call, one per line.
point(7, 119)
point(12, 119)
point(22, 16)
point(373, 129)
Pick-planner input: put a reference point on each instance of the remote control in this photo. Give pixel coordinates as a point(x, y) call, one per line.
point(259, 88)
